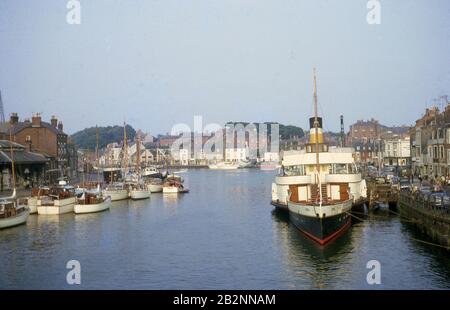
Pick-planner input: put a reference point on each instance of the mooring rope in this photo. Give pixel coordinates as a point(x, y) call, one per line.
point(431, 243)
point(404, 218)
point(408, 220)
point(358, 218)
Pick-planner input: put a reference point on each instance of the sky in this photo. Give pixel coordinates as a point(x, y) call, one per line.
point(155, 64)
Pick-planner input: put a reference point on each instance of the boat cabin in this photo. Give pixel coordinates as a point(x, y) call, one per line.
point(309, 193)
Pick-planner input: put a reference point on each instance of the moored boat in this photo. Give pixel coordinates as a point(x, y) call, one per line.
point(36, 194)
point(319, 185)
point(11, 212)
point(117, 191)
point(155, 185)
point(92, 202)
point(139, 191)
point(32, 204)
point(225, 165)
point(174, 187)
point(60, 200)
point(320, 220)
point(245, 164)
point(151, 172)
point(269, 166)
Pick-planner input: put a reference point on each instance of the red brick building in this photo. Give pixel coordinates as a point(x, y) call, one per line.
point(364, 131)
point(47, 138)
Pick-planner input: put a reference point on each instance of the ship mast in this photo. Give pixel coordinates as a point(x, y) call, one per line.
point(125, 148)
point(12, 157)
point(316, 134)
point(316, 123)
point(138, 154)
point(96, 155)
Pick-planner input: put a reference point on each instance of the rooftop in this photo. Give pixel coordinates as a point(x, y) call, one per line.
point(21, 156)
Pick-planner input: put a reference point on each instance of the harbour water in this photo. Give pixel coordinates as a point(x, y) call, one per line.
point(224, 234)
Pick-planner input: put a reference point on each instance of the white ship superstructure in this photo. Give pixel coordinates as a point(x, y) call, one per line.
point(337, 167)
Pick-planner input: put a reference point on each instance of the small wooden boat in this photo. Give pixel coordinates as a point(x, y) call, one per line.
point(139, 191)
point(117, 191)
point(154, 185)
point(60, 200)
point(174, 178)
point(174, 188)
point(36, 194)
point(11, 212)
point(91, 202)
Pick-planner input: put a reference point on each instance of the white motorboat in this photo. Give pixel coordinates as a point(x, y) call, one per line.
point(155, 186)
point(174, 187)
point(117, 191)
point(269, 166)
point(245, 164)
point(139, 191)
point(36, 194)
point(32, 204)
point(60, 200)
point(224, 166)
point(151, 172)
point(12, 213)
point(170, 190)
point(92, 202)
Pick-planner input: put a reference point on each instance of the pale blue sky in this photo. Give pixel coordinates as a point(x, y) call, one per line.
point(157, 63)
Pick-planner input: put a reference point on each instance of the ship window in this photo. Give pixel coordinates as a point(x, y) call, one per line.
point(340, 169)
point(294, 170)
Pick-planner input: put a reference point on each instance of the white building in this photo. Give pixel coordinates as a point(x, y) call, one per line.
point(236, 154)
point(112, 155)
point(397, 151)
point(184, 157)
point(271, 156)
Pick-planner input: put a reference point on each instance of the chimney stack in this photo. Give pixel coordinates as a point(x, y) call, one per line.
point(36, 120)
point(28, 140)
point(14, 119)
point(60, 126)
point(54, 121)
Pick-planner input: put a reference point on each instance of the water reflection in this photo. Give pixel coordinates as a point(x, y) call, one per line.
point(219, 236)
point(439, 258)
point(308, 260)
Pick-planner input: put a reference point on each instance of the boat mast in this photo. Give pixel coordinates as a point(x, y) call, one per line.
point(96, 155)
point(316, 134)
point(125, 148)
point(316, 123)
point(13, 168)
point(138, 154)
